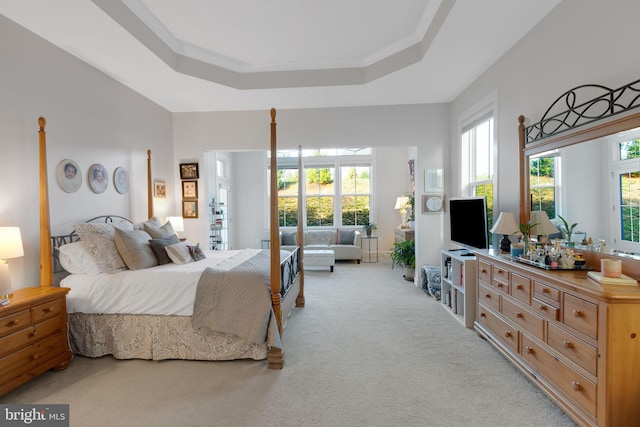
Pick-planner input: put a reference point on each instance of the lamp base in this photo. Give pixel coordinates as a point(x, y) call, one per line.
point(505, 244)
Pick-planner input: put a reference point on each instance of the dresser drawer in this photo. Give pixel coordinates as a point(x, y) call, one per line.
point(13, 322)
point(574, 385)
point(16, 364)
point(489, 297)
point(29, 335)
point(500, 284)
point(581, 315)
point(46, 310)
point(484, 271)
point(501, 329)
point(501, 273)
point(521, 288)
point(523, 318)
point(546, 310)
point(574, 348)
point(541, 290)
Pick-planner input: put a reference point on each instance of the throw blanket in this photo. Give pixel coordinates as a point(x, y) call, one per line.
point(238, 302)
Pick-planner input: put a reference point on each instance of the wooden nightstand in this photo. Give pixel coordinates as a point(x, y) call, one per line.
point(33, 335)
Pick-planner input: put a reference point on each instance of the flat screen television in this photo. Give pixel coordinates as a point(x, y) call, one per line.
point(468, 221)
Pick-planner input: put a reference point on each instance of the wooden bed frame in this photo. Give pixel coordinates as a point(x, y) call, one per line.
point(281, 306)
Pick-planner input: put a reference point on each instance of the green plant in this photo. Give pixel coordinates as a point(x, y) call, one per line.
point(403, 254)
point(525, 230)
point(369, 227)
point(567, 229)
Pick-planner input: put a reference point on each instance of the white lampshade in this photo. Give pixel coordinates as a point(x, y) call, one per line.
point(401, 202)
point(177, 222)
point(10, 247)
point(506, 224)
point(543, 225)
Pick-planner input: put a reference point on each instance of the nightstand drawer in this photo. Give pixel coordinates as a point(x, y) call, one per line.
point(21, 361)
point(13, 322)
point(29, 335)
point(522, 317)
point(489, 297)
point(501, 329)
point(521, 288)
point(47, 310)
point(581, 315)
point(574, 348)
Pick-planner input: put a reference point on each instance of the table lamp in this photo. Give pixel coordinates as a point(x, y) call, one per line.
point(177, 222)
point(10, 247)
point(505, 225)
point(542, 225)
point(402, 203)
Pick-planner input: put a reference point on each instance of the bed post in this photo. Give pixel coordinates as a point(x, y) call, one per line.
point(300, 297)
point(46, 267)
point(149, 187)
point(524, 211)
point(276, 355)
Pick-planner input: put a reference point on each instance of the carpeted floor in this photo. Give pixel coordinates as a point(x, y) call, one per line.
point(369, 349)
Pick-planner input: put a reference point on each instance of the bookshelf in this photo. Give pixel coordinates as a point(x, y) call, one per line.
point(458, 282)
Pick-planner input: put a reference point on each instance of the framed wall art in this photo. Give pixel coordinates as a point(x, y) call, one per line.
point(159, 189)
point(190, 209)
point(121, 180)
point(189, 189)
point(98, 178)
point(433, 203)
point(189, 171)
point(69, 175)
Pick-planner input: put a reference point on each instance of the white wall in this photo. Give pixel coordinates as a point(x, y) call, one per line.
point(91, 118)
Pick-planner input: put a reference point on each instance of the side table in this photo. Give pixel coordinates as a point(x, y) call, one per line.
point(369, 240)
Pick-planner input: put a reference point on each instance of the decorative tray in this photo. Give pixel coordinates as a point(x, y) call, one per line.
point(584, 267)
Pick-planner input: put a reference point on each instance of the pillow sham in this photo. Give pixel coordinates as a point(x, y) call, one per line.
point(153, 221)
point(179, 253)
point(196, 253)
point(134, 249)
point(289, 239)
point(346, 237)
point(161, 232)
point(158, 248)
point(98, 238)
point(76, 259)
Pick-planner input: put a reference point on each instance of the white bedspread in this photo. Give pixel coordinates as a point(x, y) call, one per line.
point(168, 289)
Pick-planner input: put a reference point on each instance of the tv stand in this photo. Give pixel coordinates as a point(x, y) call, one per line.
point(458, 284)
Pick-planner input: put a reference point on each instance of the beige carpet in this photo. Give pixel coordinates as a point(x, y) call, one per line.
point(369, 349)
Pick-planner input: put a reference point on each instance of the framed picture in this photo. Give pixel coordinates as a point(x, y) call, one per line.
point(433, 180)
point(69, 175)
point(121, 180)
point(159, 189)
point(190, 209)
point(98, 178)
point(433, 203)
point(189, 189)
point(189, 171)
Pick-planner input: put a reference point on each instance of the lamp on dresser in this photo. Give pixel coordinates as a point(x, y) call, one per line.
point(505, 225)
point(402, 204)
point(10, 247)
point(177, 223)
point(542, 225)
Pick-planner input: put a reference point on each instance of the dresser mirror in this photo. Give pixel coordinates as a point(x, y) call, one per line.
point(588, 174)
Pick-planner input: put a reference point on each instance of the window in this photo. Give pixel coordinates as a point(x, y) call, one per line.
point(543, 184)
point(627, 176)
point(337, 187)
point(477, 141)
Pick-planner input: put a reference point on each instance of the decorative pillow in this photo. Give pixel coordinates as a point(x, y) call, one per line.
point(196, 252)
point(319, 237)
point(346, 237)
point(98, 238)
point(76, 259)
point(158, 248)
point(179, 253)
point(153, 221)
point(159, 232)
point(289, 239)
point(134, 249)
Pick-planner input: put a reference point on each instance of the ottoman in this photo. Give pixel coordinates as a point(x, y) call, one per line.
point(319, 259)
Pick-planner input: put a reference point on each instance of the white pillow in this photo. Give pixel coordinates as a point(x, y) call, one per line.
point(179, 253)
point(159, 232)
point(76, 259)
point(99, 240)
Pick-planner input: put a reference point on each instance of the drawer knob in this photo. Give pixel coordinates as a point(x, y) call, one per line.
point(545, 290)
point(34, 334)
point(507, 334)
point(567, 344)
point(482, 314)
point(499, 284)
point(483, 271)
point(12, 323)
point(518, 314)
point(575, 385)
point(529, 350)
point(518, 286)
point(47, 310)
point(36, 356)
point(487, 295)
point(542, 307)
point(577, 313)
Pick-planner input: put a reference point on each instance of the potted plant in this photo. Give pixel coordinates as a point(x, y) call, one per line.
point(525, 230)
point(369, 227)
point(403, 254)
point(568, 230)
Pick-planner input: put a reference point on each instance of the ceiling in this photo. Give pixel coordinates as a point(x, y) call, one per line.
point(221, 55)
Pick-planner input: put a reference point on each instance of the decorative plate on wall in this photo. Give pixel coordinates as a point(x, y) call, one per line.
point(432, 203)
point(121, 180)
point(98, 178)
point(69, 175)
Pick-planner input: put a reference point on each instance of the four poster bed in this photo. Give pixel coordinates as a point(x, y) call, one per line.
point(195, 305)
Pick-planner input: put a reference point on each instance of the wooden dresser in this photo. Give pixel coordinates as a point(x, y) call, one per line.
point(579, 341)
point(33, 335)
point(404, 234)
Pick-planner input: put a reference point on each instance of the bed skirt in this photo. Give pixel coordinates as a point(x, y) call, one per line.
point(128, 336)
